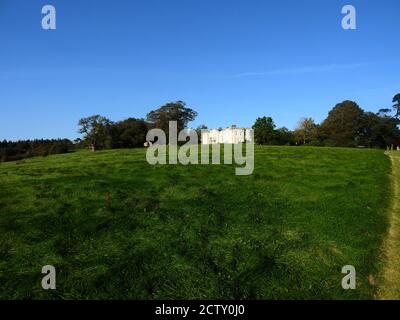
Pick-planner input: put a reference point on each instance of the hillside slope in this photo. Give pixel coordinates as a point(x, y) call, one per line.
point(116, 227)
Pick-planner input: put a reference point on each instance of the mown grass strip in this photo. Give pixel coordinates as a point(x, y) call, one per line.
point(390, 282)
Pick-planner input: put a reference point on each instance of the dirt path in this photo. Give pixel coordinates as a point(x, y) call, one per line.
point(389, 287)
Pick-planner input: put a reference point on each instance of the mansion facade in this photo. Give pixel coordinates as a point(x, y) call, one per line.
point(231, 135)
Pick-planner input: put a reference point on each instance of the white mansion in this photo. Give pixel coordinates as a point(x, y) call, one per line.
point(232, 135)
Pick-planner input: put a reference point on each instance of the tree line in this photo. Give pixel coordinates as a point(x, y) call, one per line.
point(12, 151)
point(101, 133)
point(347, 125)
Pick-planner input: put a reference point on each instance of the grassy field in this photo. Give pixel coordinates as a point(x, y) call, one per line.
point(116, 227)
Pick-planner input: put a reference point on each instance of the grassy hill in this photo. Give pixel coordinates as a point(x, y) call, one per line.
point(116, 227)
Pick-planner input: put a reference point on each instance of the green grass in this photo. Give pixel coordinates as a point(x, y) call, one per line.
point(389, 288)
point(116, 227)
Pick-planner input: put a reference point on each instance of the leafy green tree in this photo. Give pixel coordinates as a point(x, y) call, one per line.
point(173, 111)
point(344, 125)
point(306, 130)
point(283, 136)
point(95, 130)
point(379, 131)
point(129, 133)
point(264, 131)
point(396, 106)
point(384, 112)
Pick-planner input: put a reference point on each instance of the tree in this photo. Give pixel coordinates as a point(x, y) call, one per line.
point(305, 130)
point(264, 131)
point(129, 133)
point(344, 125)
point(199, 129)
point(95, 130)
point(384, 112)
point(396, 106)
point(380, 130)
point(283, 136)
point(173, 111)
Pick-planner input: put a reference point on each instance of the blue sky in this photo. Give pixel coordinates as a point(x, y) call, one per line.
point(231, 60)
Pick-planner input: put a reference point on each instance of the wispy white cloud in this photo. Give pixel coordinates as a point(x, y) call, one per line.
point(300, 70)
